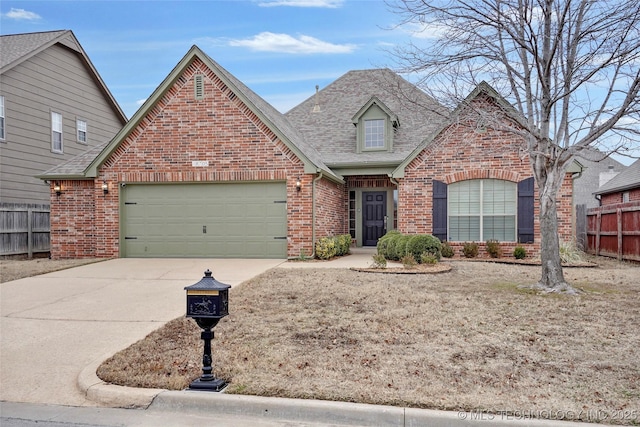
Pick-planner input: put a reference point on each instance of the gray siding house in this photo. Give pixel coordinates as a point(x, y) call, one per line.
point(53, 106)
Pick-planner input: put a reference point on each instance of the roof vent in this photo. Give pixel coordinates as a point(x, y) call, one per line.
point(316, 108)
point(198, 86)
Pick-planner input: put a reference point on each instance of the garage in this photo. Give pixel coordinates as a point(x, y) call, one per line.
point(216, 220)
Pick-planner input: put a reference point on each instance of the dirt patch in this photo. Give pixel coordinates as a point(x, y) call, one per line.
point(14, 269)
point(465, 340)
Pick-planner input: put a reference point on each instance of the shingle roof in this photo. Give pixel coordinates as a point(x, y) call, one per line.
point(625, 180)
point(331, 130)
point(16, 47)
point(75, 166)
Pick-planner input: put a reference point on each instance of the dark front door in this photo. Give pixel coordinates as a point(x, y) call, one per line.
point(374, 208)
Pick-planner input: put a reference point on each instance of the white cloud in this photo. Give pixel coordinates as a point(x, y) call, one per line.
point(332, 4)
point(22, 15)
point(139, 102)
point(284, 43)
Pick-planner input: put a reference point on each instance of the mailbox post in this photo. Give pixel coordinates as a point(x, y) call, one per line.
point(207, 303)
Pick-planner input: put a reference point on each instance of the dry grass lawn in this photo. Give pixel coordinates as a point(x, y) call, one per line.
point(466, 340)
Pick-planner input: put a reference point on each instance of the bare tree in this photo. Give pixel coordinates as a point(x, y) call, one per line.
point(571, 68)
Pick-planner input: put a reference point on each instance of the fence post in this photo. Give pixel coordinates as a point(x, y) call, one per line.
point(598, 225)
point(30, 233)
point(619, 220)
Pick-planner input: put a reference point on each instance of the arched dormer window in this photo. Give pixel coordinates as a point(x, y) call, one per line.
point(375, 124)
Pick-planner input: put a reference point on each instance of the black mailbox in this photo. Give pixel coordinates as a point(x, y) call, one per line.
point(207, 303)
point(208, 299)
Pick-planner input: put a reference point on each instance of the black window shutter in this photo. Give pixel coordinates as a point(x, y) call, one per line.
point(526, 191)
point(439, 210)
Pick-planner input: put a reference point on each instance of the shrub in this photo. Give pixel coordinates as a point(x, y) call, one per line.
point(326, 248)
point(385, 243)
point(470, 249)
point(399, 249)
point(379, 261)
point(409, 261)
point(569, 252)
point(493, 248)
point(421, 243)
point(427, 258)
point(447, 250)
point(343, 244)
point(332, 246)
point(519, 252)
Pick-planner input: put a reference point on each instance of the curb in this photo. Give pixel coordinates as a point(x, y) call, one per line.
point(111, 395)
point(336, 413)
point(292, 410)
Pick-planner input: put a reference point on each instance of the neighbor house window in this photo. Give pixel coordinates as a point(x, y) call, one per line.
point(480, 210)
point(56, 132)
point(2, 132)
point(374, 134)
point(81, 127)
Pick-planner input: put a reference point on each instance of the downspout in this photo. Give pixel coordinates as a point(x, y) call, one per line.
point(313, 214)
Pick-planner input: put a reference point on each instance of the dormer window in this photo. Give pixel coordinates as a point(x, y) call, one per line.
point(374, 134)
point(375, 124)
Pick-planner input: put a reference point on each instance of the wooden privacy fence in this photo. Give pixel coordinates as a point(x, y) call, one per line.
point(614, 231)
point(24, 229)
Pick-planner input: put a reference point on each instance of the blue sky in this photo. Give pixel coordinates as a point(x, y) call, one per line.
point(279, 48)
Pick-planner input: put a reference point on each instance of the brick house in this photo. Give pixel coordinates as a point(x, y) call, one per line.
point(207, 168)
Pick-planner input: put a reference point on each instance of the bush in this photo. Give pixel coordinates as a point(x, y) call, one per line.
point(399, 249)
point(427, 258)
point(409, 261)
point(423, 243)
point(385, 243)
point(470, 249)
point(569, 252)
point(343, 244)
point(326, 248)
point(519, 252)
point(493, 248)
point(447, 250)
point(379, 261)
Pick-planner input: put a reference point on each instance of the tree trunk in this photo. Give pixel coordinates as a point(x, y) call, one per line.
point(552, 278)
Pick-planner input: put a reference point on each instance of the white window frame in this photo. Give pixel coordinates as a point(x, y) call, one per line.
point(3, 129)
point(56, 131)
point(478, 210)
point(374, 134)
point(81, 131)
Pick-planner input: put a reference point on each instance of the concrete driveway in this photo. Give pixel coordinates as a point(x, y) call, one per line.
point(56, 324)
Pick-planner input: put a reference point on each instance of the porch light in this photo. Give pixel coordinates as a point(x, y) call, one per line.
point(207, 303)
point(298, 184)
point(105, 187)
point(57, 188)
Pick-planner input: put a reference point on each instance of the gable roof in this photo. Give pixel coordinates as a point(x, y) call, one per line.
point(326, 119)
point(625, 180)
point(86, 166)
point(483, 88)
point(17, 48)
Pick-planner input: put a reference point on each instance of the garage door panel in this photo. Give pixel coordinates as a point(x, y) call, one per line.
point(204, 220)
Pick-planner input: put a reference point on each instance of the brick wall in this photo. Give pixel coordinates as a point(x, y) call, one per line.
point(220, 129)
point(73, 227)
point(467, 151)
point(614, 198)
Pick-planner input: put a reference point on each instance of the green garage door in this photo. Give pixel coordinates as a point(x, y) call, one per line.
point(243, 220)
